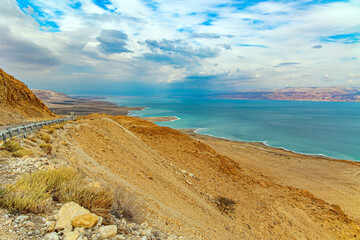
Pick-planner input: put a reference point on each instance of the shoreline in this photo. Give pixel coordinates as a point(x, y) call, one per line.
point(257, 145)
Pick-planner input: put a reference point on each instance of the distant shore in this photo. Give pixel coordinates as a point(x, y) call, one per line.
point(160, 119)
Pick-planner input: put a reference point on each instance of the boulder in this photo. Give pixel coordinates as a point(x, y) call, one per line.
point(85, 221)
point(52, 236)
point(108, 231)
point(72, 235)
point(67, 212)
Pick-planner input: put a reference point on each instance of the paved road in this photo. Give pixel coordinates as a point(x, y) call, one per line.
point(15, 130)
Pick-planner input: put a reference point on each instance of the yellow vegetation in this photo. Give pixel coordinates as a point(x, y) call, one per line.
point(46, 147)
point(35, 191)
point(12, 148)
point(44, 136)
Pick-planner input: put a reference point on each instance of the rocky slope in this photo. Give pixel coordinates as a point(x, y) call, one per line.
point(179, 179)
point(333, 94)
point(18, 103)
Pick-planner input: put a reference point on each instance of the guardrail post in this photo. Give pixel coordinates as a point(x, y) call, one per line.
point(25, 134)
point(18, 131)
point(4, 136)
point(31, 129)
point(10, 133)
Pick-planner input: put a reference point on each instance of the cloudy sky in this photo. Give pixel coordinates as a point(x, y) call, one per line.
point(140, 46)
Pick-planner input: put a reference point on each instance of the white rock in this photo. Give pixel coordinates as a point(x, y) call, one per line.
point(108, 231)
point(67, 212)
point(119, 237)
point(72, 235)
point(52, 236)
point(21, 218)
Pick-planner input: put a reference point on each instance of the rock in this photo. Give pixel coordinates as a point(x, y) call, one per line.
point(29, 224)
point(119, 237)
point(72, 235)
point(145, 224)
point(51, 227)
point(80, 230)
point(85, 221)
point(52, 236)
point(67, 212)
point(21, 218)
point(108, 231)
point(8, 222)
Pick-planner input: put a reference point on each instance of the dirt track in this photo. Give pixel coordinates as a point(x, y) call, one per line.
point(178, 178)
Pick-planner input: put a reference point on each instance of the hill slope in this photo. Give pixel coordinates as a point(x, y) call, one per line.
point(179, 177)
point(18, 103)
point(329, 94)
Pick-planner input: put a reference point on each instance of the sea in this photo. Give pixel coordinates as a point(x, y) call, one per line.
point(317, 128)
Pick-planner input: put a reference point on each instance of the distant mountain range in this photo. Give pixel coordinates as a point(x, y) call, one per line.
point(326, 94)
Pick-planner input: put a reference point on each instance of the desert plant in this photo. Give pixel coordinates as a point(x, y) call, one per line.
point(127, 206)
point(97, 199)
point(34, 192)
point(12, 148)
point(225, 205)
point(22, 152)
point(44, 136)
point(32, 139)
point(46, 147)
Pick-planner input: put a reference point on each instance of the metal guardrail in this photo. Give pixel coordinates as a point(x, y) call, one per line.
point(28, 128)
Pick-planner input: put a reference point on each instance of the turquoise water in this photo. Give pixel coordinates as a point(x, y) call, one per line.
point(327, 128)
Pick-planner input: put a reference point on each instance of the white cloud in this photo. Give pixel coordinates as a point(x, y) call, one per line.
point(264, 35)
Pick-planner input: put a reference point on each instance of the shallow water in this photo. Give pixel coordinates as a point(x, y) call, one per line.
point(328, 128)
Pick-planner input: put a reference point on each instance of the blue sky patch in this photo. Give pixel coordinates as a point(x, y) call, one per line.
point(343, 38)
point(76, 5)
point(102, 3)
point(44, 20)
point(252, 45)
point(154, 5)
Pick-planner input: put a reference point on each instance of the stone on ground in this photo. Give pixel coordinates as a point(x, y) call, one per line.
point(85, 221)
point(108, 231)
point(67, 212)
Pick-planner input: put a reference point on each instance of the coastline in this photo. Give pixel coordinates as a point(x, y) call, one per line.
point(333, 180)
point(262, 146)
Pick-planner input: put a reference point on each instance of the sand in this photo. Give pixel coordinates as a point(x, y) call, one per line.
point(177, 176)
point(335, 181)
point(160, 119)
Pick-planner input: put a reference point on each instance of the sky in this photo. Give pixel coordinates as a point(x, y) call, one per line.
point(139, 47)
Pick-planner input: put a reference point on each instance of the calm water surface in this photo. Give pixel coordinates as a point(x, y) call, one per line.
point(328, 128)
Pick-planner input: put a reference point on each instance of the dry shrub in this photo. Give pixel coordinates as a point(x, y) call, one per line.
point(98, 200)
point(34, 192)
point(46, 147)
point(51, 130)
point(225, 205)
point(32, 139)
point(12, 148)
point(44, 136)
point(23, 152)
point(126, 205)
